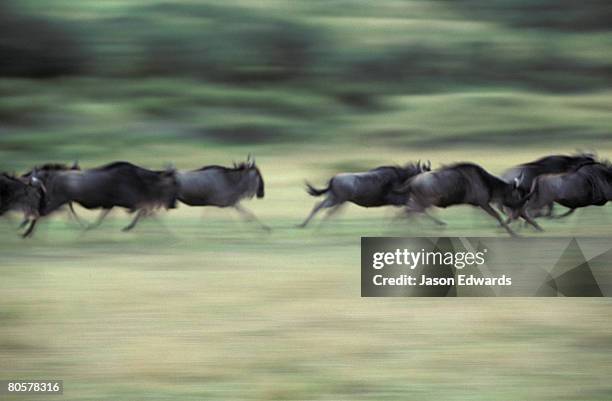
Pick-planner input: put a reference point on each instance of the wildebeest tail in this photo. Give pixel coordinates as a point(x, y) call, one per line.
point(312, 191)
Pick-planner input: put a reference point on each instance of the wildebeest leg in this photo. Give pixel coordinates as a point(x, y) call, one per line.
point(250, 216)
point(100, 218)
point(565, 214)
point(140, 214)
point(433, 218)
point(528, 219)
point(73, 214)
point(513, 214)
point(30, 229)
point(487, 208)
point(321, 205)
point(507, 211)
point(414, 206)
point(548, 213)
point(332, 212)
point(23, 223)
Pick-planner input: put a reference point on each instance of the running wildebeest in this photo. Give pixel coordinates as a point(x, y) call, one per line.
point(372, 188)
point(222, 187)
point(43, 171)
point(119, 184)
point(525, 174)
point(462, 183)
point(20, 194)
point(589, 185)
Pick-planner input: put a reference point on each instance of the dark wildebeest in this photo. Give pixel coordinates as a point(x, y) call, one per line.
point(372, 188)
point(119, 184)
point(20, 194)
point(589, 185)
point(42, 171)
point(462, 183)
point(524, 174)
point(222, 187)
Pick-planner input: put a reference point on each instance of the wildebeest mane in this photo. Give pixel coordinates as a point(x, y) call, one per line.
point(10, 176)
point(605, 162)
point(53, 166)
point(113, 165)
point(235, 167)
point(130, 168)
point(401, 173)
point(395, 169)
point(48, 167)
point(569, 160)
point(465, 168)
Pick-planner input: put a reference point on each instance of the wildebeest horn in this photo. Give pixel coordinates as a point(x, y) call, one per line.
point(34, 181)
point(519, 180)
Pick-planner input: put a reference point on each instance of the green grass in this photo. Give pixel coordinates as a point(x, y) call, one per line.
point(216, 311)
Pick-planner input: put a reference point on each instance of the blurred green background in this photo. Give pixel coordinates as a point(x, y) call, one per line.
point(198, 305)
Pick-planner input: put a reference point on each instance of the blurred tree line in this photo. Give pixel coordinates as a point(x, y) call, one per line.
point(536, 43)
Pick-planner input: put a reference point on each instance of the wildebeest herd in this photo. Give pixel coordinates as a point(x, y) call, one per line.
point(526, 191)
point(47, 188)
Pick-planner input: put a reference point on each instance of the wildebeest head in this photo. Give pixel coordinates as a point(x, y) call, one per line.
point(418, 168)
point(405, 174)
point(514, 196)
point(168, 187)
point(17, 193)
point(260, 184)
point(254, 175)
